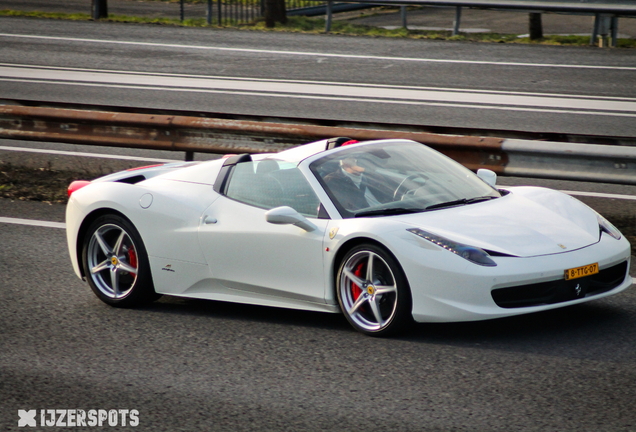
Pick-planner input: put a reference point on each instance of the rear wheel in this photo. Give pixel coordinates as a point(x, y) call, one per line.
point(373, 292)
point(116, 264)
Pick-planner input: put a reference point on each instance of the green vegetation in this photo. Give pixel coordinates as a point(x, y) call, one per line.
point(317, 26)
point(35, 184)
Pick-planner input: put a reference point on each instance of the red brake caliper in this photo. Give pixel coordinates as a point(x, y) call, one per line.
point(355, 289)
point(132, 258)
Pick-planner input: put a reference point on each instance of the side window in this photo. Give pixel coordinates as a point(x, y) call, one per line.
point(270, 183)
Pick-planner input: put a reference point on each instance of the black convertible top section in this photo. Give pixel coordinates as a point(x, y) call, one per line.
point(336, 142)
point(237, 159)
point(222, 178)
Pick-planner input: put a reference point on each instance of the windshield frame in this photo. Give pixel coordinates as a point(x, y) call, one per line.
point(466, 178)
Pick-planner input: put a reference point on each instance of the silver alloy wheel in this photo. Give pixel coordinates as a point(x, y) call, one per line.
point(368, 291)
point(112, 260)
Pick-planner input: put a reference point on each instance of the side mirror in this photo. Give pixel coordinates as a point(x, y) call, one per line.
point(288, 216)
point(488, 176)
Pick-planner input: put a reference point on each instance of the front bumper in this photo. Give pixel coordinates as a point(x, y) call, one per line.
point(447, 288)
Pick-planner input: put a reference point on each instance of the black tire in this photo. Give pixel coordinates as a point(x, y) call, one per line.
point(380, 303)
point(115, 263)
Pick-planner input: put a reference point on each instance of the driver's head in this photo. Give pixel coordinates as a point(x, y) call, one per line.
point(351, 166)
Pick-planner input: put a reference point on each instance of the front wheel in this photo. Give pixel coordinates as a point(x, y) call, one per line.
point(373, 292)
point(116, 264)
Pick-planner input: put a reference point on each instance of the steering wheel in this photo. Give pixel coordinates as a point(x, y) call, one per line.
point(399, 193)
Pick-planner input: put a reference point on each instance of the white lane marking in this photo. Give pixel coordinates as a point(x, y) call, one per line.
point(32, 222)
point(601, 195)
point(270, 80)
point(624, 107)
point(81, 154)
point(342, 99)
point(315, 54)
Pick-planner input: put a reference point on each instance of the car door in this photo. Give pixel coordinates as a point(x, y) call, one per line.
point(250, 255)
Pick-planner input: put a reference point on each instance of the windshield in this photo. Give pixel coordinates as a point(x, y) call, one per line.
point(397, 178)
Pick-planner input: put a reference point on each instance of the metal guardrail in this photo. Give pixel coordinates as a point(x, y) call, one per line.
point(604, 11)
point(242, 11)
point(584, 162)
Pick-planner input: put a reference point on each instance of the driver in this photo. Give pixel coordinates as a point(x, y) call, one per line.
point(353, 187)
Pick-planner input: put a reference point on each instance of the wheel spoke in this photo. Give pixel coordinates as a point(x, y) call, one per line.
point(101, 266)
point(126, 267)
point(102, 243)
point(375, 308)
point(114, 280)
point(385, 289)
point(370, 267)
point(355, 279)
point(357, 304)
point(118, 244)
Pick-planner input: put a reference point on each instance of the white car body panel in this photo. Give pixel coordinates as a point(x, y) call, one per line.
point(254, 250)
point(243, 258)
point(516, 224)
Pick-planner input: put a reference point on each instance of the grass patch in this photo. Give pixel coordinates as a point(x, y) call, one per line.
point(50, 15)
point(35, 184)
point(198, 22)
point(299, 24)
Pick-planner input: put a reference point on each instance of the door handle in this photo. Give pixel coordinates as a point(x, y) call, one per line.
point(209, 220)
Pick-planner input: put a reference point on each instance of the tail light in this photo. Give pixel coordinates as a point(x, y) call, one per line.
point(77, 185)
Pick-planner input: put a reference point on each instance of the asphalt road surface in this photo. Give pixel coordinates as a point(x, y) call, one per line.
point(205, 365)
point(436, 83)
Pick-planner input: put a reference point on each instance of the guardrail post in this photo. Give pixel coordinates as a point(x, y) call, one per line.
point(181, 10)
point(99, 9)
point(209, 15)
point(458, 17)
point(614, 27)
point(403, 15)
point(329, 16)
point(594, 29)
point(602, 27)
point(535, 26)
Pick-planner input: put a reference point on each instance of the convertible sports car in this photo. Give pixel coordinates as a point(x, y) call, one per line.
point(387, 232)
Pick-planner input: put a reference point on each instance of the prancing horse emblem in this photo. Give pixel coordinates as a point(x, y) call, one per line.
point(333, 232)
point(578, 289)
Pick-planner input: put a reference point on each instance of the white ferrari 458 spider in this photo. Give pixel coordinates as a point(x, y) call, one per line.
point(386, 232)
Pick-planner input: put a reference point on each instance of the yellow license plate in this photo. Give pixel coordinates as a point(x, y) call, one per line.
point(583, 271)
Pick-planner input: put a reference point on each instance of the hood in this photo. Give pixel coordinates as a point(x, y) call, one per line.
point(527, 222)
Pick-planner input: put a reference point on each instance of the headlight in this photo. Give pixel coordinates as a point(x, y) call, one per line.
point(607, 227)
point(470, 253)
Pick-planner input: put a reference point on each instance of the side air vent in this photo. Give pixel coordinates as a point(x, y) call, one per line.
point(132, 180)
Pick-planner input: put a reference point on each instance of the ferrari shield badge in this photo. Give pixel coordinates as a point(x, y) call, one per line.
point(578, 289)
point(333, 232)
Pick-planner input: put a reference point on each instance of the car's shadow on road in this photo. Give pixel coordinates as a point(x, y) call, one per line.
point(603, 325)
point(596, 330)
point(247, 313)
